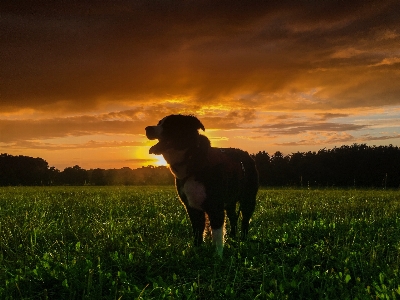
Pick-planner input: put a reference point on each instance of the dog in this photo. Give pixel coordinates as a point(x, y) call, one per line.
point(208, 180)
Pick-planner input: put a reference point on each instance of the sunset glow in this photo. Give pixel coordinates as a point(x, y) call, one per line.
point(79, 83)
point(160, 161)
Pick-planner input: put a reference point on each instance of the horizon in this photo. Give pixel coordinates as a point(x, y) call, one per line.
point(81, 82)
point(164, 164)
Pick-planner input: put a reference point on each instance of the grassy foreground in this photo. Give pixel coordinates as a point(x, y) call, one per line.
point(135, 243)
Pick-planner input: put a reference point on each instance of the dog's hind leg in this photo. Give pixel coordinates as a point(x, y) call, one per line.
point(247, 207)
point(249, 194)
point(198, 220)
point(233, 219)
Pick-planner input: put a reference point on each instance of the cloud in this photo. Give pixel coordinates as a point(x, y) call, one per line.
point(27, 129)
point(35, 145)
point(347, 53)
point(141, 160)
point(368, 137)
point(388, 61)
point(316, 138)
point(327, 116)
point(292, 128)
point(128, 122)
point(50, 132)
point(81, 58)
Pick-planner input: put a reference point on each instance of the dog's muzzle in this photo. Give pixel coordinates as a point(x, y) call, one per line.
point(160, 147)
point(151, 132)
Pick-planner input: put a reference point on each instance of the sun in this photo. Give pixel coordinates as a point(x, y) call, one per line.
point(143, 158)
point(160, 161)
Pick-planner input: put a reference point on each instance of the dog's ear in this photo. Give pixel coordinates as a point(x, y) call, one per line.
point(195, 123)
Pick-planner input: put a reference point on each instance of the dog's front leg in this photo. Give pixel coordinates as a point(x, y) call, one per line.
point(198, 220)
point(217, 222)
point(196, 216)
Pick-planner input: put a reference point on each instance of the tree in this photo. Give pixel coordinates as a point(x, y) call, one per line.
point(262, 161)
point(97, 176)
point(74, 176)
point(23, 170)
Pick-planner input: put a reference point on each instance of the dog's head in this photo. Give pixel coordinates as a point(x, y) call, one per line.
point(177, 132)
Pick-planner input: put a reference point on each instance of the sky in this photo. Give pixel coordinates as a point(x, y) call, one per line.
point(80, 80)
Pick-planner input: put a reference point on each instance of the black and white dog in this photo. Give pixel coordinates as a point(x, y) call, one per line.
point(208, 180)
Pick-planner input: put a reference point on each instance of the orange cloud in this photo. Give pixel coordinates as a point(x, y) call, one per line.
point(268, 73)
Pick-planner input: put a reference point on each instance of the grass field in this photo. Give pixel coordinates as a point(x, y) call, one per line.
point(135, 243)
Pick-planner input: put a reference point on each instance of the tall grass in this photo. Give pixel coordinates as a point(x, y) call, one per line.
point(135, 243)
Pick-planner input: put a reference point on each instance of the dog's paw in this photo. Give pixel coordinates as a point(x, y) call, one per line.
point(219, 250)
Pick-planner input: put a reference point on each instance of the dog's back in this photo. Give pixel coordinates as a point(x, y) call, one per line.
point(237, 162)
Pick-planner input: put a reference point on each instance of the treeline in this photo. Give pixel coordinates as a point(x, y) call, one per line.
point(357, 165)
point(24, 170)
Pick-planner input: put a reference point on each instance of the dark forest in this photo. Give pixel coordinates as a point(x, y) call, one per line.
point(357, 165)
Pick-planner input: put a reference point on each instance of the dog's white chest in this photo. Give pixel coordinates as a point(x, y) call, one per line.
point(195, 193)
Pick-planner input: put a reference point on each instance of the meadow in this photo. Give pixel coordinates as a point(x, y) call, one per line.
point(136, 243)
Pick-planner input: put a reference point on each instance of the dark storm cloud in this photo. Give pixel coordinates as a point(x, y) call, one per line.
point(79, 55)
